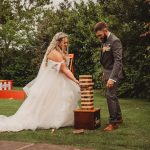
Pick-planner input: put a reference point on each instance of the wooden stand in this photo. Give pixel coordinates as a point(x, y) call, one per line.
point(87, 119)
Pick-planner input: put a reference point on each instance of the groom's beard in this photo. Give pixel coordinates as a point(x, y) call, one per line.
point(104, 39)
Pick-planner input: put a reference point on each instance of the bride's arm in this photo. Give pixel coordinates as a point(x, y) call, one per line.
point(56, 56)
point(68, 73)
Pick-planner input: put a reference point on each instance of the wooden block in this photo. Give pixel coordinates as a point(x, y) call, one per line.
point(87, 91)
point(87, 99)
point(87, 95)
point(84, 88)
point(87, 119)
point(86, 84)
point(87, 103)
point(78, 131)
point(87, 107)
point(85, 80)
point(85, 76)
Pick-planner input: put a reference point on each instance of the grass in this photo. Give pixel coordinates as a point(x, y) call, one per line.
point(134, 134)
point(17, 88)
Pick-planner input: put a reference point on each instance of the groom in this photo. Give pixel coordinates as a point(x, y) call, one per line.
point(111, 61)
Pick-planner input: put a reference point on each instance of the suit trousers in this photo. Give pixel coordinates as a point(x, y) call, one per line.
point(113, 103)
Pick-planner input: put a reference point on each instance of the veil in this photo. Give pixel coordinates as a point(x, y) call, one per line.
point(53, 45)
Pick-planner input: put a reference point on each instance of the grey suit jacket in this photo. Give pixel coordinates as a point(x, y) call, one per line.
point(111, 59)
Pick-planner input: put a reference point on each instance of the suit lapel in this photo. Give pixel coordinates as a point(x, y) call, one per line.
point(102, 50)
point(107, 42)
point(109, 38)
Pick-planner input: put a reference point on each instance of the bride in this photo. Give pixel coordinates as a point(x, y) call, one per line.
point(51, 96)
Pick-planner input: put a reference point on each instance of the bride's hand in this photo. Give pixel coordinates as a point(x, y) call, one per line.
point(76, 81)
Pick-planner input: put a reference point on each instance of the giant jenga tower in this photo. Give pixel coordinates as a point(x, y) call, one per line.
point(87, 93)
point(86, 117)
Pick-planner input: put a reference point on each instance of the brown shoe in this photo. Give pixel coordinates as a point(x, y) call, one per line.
point(111, 127)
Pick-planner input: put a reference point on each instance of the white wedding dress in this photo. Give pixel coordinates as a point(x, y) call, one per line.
point(50, 103)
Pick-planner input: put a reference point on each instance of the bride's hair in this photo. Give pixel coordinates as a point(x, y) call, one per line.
point(54, 45)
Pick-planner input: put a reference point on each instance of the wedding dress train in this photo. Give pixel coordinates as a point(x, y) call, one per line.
point(50, 103)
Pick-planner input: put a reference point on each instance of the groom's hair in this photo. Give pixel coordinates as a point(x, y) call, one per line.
point(100, 26)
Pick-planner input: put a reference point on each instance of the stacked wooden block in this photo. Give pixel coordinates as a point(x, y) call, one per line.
point(87, 93)
point(87, 117)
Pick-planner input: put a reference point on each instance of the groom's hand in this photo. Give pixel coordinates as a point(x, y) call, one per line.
point(110, 83)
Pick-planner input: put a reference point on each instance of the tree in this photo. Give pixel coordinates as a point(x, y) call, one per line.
point(18, 20)
point(132, 16)
point(26, 29)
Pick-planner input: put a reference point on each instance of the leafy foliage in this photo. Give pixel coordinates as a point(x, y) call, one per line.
point(27, 28)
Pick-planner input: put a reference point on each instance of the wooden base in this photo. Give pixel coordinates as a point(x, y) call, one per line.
point(87, 119)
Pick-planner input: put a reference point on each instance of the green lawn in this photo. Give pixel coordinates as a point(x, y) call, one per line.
point(17, 88)
point(134, 134)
